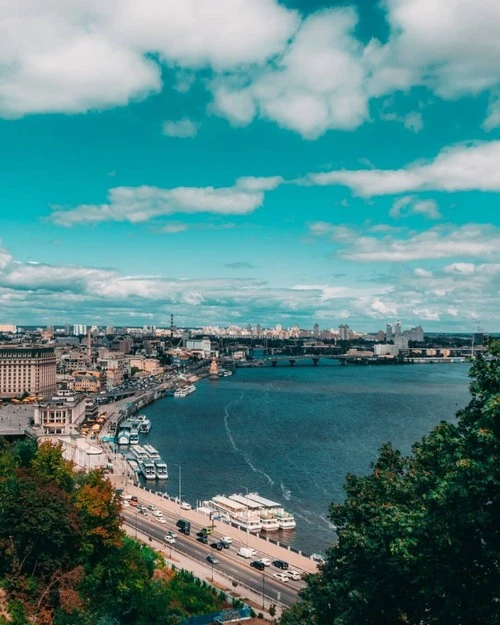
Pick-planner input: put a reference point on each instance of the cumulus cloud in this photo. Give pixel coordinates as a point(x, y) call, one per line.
point(411, 205)
point(139, 204)
point(317, 83)
point(463, 167)
point(76, 56)
point(470, 240)
point(180, 128)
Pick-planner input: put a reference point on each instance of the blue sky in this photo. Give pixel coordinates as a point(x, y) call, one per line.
point(250, 161)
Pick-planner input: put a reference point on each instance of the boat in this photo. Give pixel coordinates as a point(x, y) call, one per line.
point(134, 437)
point(273, 510)
point(161, 469)
point(183, 391)
point(123, 437)
point(139, 453)
point(235, 512)
point(151, 452)
point(147, 468)
point(143, 424)
point(224, 374)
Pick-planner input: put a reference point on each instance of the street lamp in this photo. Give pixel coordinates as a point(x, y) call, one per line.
point(263, 588)
point(247, 530)
point(180, 482)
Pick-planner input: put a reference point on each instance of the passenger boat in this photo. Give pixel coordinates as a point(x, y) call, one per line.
point(161, 469)
point(134, 437)
point(151, 452)
point(235, 512)
point(272, 509)
point(147, 468)
point(143, 424)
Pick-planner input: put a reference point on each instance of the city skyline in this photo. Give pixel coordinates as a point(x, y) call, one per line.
point(322, 162)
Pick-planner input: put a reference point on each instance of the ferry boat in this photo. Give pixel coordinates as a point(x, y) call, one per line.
point(151, 452)
point(183, 391)
point(139, 453)
point(161, 469)
point(235, 512)
point(134, 437)
point(143, 424)
point(147, 468)
point(224, 373)
point(272, 509)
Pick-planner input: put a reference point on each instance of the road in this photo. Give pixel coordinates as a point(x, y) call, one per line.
point(230, 563)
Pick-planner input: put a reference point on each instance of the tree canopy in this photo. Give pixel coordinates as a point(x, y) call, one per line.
point(419, 537)
point(64, 558)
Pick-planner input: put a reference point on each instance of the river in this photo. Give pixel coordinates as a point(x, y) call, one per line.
point(292, 433)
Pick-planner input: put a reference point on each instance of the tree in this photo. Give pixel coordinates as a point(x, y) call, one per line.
point(419, 538)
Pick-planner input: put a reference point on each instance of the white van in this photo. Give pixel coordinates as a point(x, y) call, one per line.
point(246, 552)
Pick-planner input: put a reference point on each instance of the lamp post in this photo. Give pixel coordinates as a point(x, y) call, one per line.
point(247, 530)
point(263, 588)
point(180, 482)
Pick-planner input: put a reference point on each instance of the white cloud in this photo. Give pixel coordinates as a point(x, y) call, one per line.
point(493, 118)
point(413, 121)
point(181, 128)
point(75, 56)
point(384, 308)
point(463, 167)
point(411, 205)
point(173, 227)
point(253, 183)
point(139, 204)
point(439, 242)
point(451, 47)
point(316, 84)
point(422, 273)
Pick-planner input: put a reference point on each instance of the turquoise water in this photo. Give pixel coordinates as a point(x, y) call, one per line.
point(293, 433)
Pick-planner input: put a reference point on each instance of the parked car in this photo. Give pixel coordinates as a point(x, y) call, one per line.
point(185, 505)
point(317, 557)
point(257, 564)
point(212, 560)
point(283, 577)
point(295, 575)
point(280, 564)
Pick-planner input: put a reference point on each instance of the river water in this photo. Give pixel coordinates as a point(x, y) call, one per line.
point(292, 434)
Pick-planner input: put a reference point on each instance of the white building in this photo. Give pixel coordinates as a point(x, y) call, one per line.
point(385, 350)
point(199, 345)
point(8, 328)
point(80, 329)
point(83, 453)
point(59, 415)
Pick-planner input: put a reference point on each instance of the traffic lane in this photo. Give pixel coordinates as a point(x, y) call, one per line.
point(229, 553)
point(175, 516)
point(234, 568)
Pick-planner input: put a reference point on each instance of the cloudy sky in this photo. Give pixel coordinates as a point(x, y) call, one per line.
point(250, 161)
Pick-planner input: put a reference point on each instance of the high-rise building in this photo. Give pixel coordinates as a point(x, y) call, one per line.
point(80, 329)
point(388, 332)
point(316, 330)
point(27, 370)
point(397, 329)
point(344, 332)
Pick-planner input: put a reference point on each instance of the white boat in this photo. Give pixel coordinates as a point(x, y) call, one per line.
point(134, 437)
point(161, 469)
point(142, 423)
point(139, 453)
point(180, 392)
point(123, 437)
point(151, 452)
point(235, 512)
point(147, 468)
point(274, 517)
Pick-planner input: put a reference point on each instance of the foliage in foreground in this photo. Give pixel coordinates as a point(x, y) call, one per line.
point(419, 538)
point(64, 559)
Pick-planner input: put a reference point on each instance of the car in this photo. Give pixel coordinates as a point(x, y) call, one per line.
point(295, 575)
point(212, 559)
point(161, 520)
point(202, 539)
point(133, 503)
point(227, 539)
point(317, 557)
point(225, 544)
point(280, 564)
point(266, 561)
point(173, 534)
point(135, 498)
point(217, 546)
point(185, 505)
point(283, 577)
point(151, 506)
point(170, 540)
point(158, 513)
point(143, 512)
point(257, 564)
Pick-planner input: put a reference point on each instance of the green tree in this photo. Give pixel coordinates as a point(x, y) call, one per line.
point(419, 538)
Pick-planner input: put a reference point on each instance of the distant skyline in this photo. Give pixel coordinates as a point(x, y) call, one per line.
point(250, 161)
